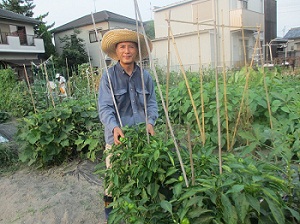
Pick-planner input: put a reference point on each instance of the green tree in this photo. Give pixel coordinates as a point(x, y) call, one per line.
point(43, 31)
point(23, 7)
point(73, 50)
point(149, 29)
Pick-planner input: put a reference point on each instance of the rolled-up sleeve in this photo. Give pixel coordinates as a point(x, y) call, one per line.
point(152, 110)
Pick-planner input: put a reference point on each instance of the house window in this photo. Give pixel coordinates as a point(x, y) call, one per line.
point(93, 37)
point(203, 11)
point(243, 4)
point(19, 31)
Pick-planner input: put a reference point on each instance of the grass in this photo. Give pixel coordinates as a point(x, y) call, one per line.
point(9, 161)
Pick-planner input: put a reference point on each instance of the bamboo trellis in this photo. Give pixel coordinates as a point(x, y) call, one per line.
point(257, 46)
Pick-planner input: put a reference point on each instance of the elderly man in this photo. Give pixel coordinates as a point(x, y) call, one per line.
point(121, 91)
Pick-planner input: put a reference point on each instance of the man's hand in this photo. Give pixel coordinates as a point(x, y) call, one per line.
point(150, 129)
point(118, 133)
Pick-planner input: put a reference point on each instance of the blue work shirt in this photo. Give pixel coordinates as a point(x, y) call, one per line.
point(128, 93)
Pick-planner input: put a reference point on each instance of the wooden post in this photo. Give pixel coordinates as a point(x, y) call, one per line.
point(29, 87)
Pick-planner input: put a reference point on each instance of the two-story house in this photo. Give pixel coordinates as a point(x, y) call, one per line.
point(212, 33)
point(291, 50)
point(103, 20)
point(19, 45)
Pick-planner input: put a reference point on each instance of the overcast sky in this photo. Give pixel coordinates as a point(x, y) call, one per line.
point(64, 11)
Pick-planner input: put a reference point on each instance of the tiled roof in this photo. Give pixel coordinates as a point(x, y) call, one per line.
point(5, 14)
point(98, 17)
point(293, 33)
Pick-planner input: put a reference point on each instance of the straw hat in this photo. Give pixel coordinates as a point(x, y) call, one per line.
point(113, 37)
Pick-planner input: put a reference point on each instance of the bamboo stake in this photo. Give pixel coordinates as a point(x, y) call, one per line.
point(191, 154)
point(47, 79)
point(88, 81)
point(201, 81)
point(242, 101)
point(209, 24)
point(225, 87)
point(244, 45)
point(265, 83)
point(246, 65)
point(187, 84)
point(29, 87)
point(106, 70)
point(53, 74)
point(92, 78)
point(168, 68)
point(217, 92)
point(69, 85)
point(164, 107)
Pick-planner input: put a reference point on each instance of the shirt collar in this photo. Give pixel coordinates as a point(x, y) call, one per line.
point(119, 68)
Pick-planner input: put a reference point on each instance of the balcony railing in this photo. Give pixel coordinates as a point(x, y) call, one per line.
point(13, 42)
point(23, 38)
point(250, 20)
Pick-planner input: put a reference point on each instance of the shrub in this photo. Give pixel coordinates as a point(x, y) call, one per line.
point(52, 136)
point(14, 96)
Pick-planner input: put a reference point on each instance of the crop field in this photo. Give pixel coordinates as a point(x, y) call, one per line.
point(226, 149)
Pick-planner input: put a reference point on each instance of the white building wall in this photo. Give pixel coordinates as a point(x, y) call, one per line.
point(229, 48)
point(180, 12)
point(189, 49)
point(256, 5)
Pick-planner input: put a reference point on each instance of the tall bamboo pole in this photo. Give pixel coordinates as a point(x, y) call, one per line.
point(225, 87)
point(186, 83)
point(29, 88)
point(138, 18)
point(106, 70)
point(217, 90)
point(242, 100)
point(246, 65)
point(265, 82)
point(168, 67)
point(164, 106)
point(244, 44)
point(201, 80)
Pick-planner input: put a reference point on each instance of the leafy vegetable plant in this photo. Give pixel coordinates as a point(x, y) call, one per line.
point(58, 134)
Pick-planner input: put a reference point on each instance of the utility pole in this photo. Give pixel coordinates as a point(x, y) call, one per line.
point(95, 6)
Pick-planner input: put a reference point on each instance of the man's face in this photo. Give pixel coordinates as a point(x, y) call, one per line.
point(127, 52)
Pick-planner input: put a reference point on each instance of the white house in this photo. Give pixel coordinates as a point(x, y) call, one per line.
point(212, 32)
point(18, 44)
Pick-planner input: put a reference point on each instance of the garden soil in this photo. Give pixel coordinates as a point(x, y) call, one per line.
point(69, 194)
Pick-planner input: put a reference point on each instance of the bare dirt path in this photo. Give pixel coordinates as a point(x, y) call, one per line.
point(69, 194)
